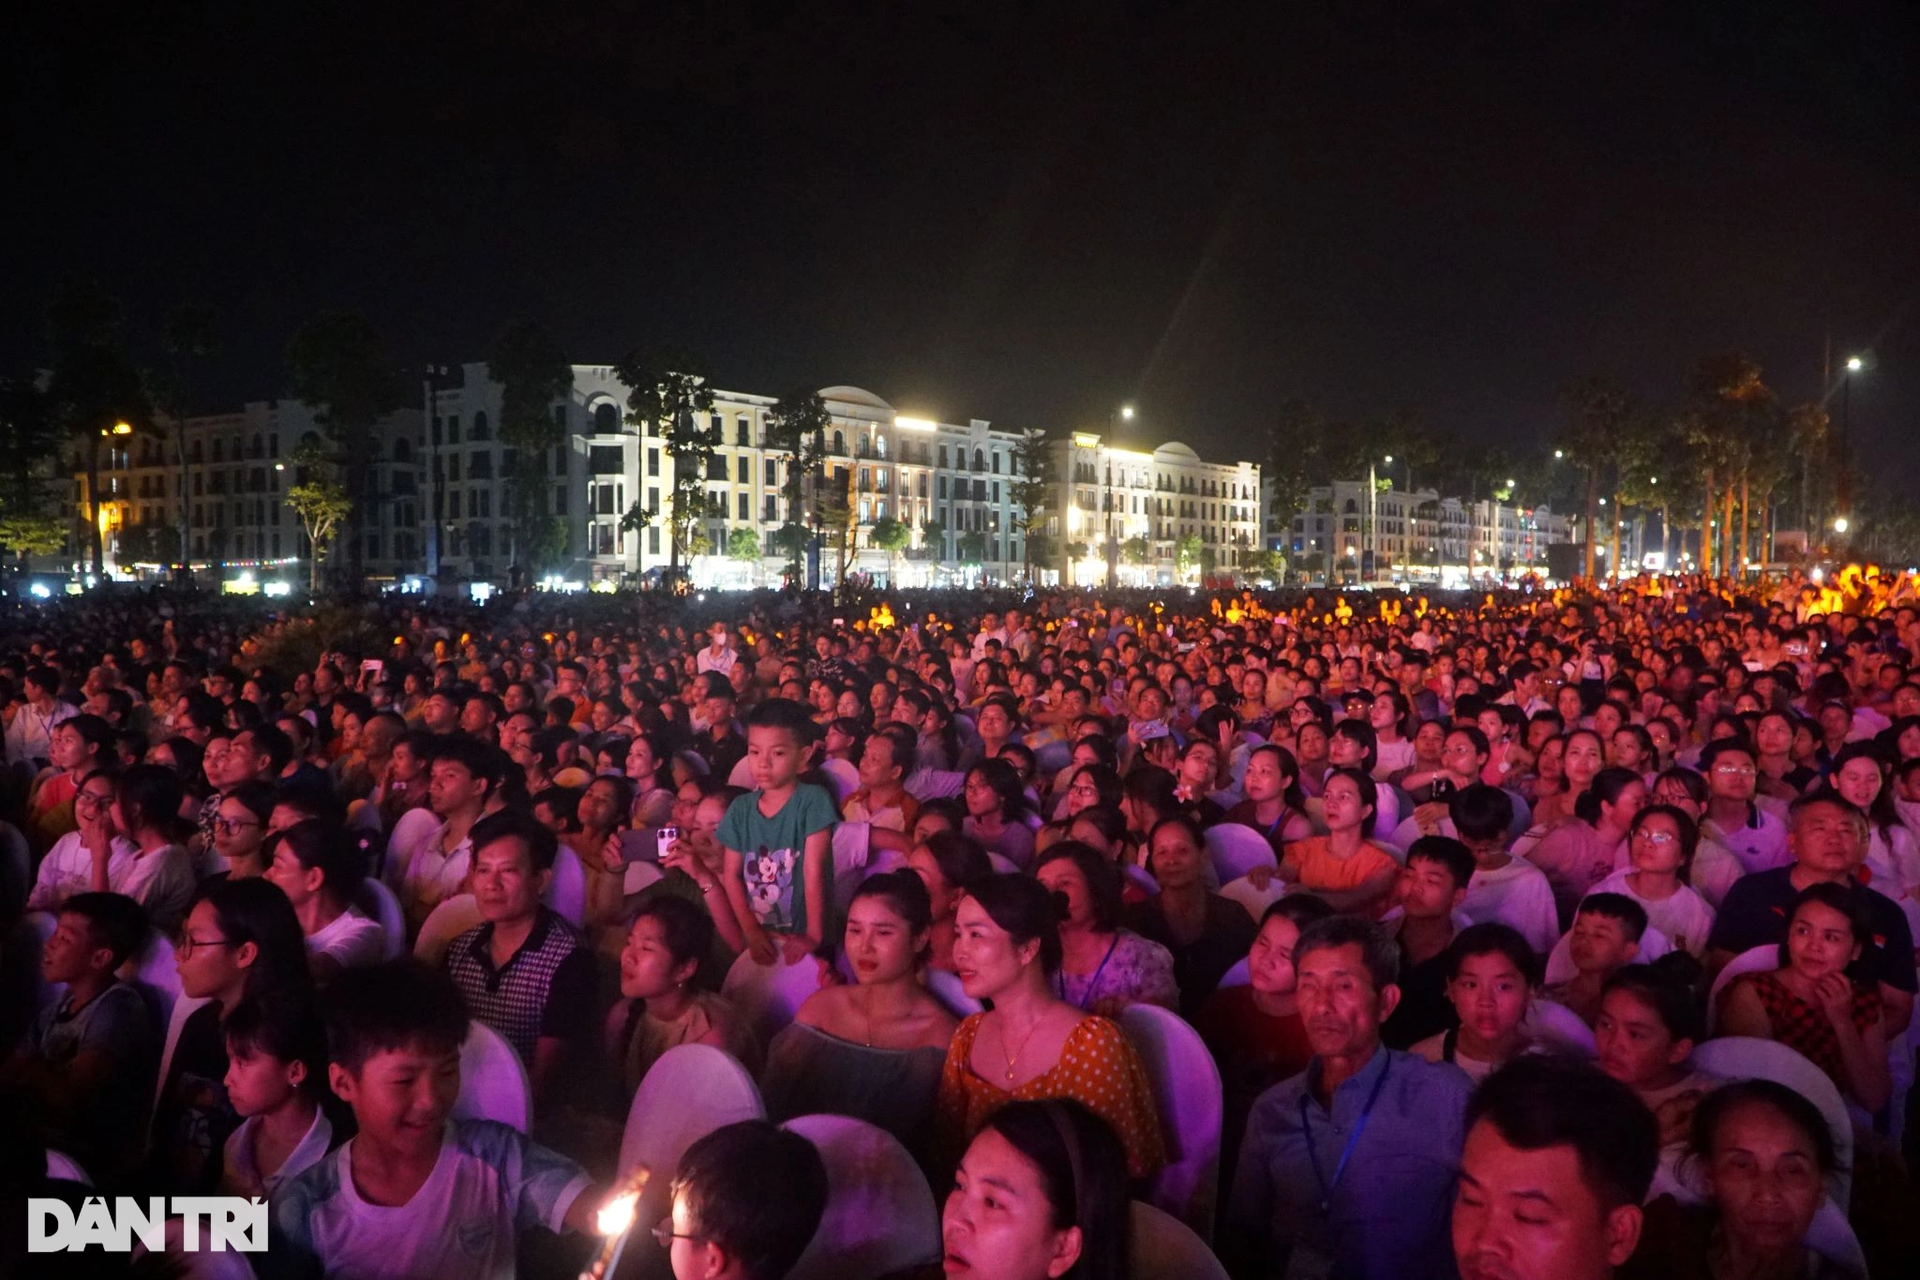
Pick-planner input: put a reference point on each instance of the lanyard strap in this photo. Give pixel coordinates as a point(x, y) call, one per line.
point(1093, 984)
point(1353, 1139)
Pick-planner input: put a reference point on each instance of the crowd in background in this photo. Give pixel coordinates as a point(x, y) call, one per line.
point(1547, 934)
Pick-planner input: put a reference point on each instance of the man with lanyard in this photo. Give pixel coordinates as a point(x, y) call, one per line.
point(30, 732)
point(1348, 1168)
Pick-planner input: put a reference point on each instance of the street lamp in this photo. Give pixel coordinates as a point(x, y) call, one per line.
point(1839, 524)
point(1844, 486)
point(1559, 453)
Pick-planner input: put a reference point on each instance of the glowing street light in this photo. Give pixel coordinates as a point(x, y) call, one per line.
point(1855, 364)
point(1839, 524)
point(1559, 453)
point(1126, 411)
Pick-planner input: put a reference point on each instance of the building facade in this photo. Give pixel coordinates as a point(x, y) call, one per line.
point(942, 480)
point(1350, 532)
point(225, 477)
point(1133, 510)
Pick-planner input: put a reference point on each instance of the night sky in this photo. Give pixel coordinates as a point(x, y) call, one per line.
point(979, 212)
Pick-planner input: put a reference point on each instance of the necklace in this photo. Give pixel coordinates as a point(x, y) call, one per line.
point(1013, 1058)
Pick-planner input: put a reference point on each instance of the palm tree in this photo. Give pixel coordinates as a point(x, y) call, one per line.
point(1599, 414)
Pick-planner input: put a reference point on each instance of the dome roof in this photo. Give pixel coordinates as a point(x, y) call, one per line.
point(855, 395)
point(1176, 451)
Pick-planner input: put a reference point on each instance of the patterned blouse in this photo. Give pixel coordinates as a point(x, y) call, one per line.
point(1096, 1067)
point(1135, 971)
point(1803, 1027)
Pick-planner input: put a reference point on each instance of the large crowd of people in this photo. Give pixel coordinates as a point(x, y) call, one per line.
point(1538, 934)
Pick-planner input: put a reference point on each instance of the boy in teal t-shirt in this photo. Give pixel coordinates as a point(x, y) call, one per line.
point(779, 845)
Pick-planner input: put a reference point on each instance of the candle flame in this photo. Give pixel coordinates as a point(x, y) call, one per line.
point(616, 1215)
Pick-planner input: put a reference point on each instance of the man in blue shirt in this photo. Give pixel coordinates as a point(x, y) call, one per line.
point(1347, 1169)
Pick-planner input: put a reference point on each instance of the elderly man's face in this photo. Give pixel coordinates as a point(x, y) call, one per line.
point(1340, 1005)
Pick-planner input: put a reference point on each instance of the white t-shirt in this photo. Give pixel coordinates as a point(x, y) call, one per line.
point(1393, 757)
point(1714, 871)
point(1685, 915)
point(351, 939)
point(708, 660)
point(490, 1184)
point(1517, 894)
point(163, 882)
point(68, 869)
point(411, 830)
point(1760, 843)
point(434, 872)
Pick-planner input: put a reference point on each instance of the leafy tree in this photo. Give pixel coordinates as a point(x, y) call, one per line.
point(1136, 549)
point(796, 429)
point(671, 399)
point(548, 542)
point(972, 547)
point(1730, 408)
point(743, 544)
point(33, 535)
point(1187, 553)
point(1808, 428)
point(1295, 443)
point(340, 371)
point(1405, 436)
point(1032, 478)
point(933, 536)
point(532, 372)
point(792, 539)
point(1264, 564)
point(891, 536)
point(1599, 413)
point(94, 387)
point(1076, 552)
point(835, 513)
point(321, 503)
point(189, 337)
point(29, 441)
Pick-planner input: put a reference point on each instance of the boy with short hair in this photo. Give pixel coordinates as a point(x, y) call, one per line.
point(747, 1199)
point(85, 1070)
point(1432, 886)
point(1604, 939)
point(776, 886)
point(1504, 888)
point(416, 1192)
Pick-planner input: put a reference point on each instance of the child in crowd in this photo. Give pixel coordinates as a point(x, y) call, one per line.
point(1661, 844)
point(1432, 886)
point(1604, 939)
point(1504, 887)
point(416, 1192)
point(1254, 1030)
point(747, 1199)
point(772, 899)
point(276, 1065)
point(1646, 1029)
point(85, 1071)
point(1491, 972)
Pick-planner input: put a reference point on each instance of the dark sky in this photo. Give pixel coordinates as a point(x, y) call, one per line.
point(984, 212)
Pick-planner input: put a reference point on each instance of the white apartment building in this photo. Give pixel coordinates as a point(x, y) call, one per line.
point(913, 469)
point(1103, 496)
point(1349, 535)
point(233, 481)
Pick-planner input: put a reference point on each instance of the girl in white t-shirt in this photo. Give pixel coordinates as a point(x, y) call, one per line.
point(1660, 846)
point(319, 868)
